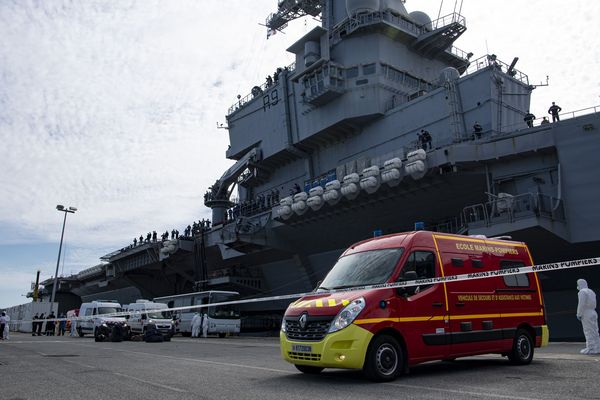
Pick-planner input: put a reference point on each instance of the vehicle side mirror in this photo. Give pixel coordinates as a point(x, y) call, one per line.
point(407, 291)
point(318, 284)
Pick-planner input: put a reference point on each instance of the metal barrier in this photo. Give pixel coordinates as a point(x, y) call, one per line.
point(509, 209)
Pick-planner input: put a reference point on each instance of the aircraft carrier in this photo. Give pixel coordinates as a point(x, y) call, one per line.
point(333, 149)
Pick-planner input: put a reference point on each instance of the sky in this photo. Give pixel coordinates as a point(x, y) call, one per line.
point(112, 107)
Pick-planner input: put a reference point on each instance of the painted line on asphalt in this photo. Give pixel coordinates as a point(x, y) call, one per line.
point(150, 383)
point(227, 343)
point(460, 392)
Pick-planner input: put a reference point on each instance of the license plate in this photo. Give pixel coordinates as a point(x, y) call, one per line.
point(301, 348)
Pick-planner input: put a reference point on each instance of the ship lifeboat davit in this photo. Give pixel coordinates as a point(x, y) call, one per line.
point(392, 173)
point(416, 165)
point(315, 198)
point(332, 193)
point(299, 206)
point(370, 180)
point(350, 186)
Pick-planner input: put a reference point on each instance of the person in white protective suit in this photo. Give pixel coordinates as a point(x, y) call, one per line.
point(586, 313)
point(205, 325)
point(73, 331)
point(4, 319)
point(196, 323)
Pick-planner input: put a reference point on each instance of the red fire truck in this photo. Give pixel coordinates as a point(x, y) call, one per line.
point(385, 331)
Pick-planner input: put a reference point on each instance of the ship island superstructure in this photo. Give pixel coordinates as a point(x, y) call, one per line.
point(334, 149)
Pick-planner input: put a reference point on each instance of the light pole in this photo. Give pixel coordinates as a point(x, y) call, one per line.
point(66, 211)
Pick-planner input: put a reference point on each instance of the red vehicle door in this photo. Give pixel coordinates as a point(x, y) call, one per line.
point(422, 315)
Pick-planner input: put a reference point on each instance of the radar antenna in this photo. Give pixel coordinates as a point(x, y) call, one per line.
point(289, 10)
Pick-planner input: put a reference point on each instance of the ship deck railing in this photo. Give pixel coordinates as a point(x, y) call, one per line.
point(490, 60)
point(513, 208)
point(401, 22)
point(242, 101)
point(521, 125)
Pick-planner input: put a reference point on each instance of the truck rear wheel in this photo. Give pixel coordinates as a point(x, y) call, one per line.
point(522, 350)
point(308, 369)
point(222, 335)
point(384, 360)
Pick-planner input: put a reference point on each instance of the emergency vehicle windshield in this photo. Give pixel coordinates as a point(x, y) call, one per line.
point(109, 310)
point(159, 314)
point(359, 269)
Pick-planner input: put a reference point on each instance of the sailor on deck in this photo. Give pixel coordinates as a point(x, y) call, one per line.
point(554, 110)
point(477, 129)
point(529, 117)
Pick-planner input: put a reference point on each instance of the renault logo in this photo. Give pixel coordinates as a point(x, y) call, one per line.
point(302, 321)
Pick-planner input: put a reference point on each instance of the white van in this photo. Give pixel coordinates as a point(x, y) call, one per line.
point(89, 321)
point(145, 312)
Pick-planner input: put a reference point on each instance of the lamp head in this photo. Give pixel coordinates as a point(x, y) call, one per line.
point(60, 207)
point(73, 208)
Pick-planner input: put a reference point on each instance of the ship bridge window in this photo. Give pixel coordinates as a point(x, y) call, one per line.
point(411, 81)
point(335, 72)
point(368, 69)
point(352, 72)
point(392, 73)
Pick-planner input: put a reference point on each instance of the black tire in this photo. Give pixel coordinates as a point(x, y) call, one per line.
point(522, 350)
point(166, 338)
point(384, 360)
point(186, 334)
point(222, 335)
point(97, 337)
point(80, 332)
point(307, 369)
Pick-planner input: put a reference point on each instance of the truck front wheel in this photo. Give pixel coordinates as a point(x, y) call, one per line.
point(384, 360)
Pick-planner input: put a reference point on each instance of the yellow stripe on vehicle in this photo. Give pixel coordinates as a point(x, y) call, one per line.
point(331, 302)
point(439, 256)
point(443, 317)
point(480, 241)
point(319, 303)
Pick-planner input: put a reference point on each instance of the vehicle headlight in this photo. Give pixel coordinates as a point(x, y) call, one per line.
point(347, 315)
point(151, 321)
point(104, 325)
point(283, 329)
